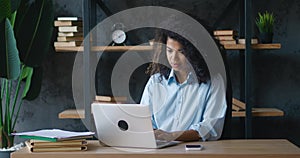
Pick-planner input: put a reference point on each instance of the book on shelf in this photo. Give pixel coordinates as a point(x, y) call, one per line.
point(236, 108)
point(225, 32)
point(67, 23)
point(33, 148)
point(67, 44)
point(239, 103)
point(70, 34)
point(106, 102)
point(110, 98)
point(225, 38)
point(69, 18)
point(66, 38)
point(227, 42)
point(243, 41)
point(54, 135)
point(70, 29)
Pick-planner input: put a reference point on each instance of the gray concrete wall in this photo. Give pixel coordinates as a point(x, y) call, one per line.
point(276, 73)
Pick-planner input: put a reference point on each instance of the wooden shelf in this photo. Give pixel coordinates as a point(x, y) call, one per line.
point(260, 112)
point(148, 48)
point(254, 46)
point(105, 48)
point(256, 112)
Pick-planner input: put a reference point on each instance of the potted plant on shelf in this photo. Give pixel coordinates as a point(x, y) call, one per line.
point(25, 34)
point(265, 24)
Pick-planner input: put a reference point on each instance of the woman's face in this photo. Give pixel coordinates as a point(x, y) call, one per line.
point(175, 55)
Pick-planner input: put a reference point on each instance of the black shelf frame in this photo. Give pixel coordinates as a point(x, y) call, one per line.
point(89, 21)
point(246, 62)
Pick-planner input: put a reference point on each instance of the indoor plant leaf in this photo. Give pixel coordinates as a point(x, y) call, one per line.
point(7, 7)
point(36, 84)
point(35, 23)
point(9, 55)
point(33, 33)
point(27, 74)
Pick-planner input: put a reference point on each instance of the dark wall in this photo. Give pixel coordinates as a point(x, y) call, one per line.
point(276, 73)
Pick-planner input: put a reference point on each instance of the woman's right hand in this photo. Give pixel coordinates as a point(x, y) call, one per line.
point(167, 136)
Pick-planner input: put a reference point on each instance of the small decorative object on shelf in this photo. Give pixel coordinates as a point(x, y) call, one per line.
point(118, 34)
point(265, 23)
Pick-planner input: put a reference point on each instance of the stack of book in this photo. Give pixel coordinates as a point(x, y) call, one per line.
point(226, 36)
point(70, 33)
point(48, 146)
point(53, 140)
point(110, 99)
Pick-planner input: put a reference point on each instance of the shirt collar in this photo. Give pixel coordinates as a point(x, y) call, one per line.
point(171, 77)
point(190, 79)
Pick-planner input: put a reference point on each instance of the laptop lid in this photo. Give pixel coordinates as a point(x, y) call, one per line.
point(124, 125)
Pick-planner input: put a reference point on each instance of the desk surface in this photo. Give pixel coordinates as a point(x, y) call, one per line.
point(251, 148)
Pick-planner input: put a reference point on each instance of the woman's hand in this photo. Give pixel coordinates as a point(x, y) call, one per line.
point(189, 135)
point(168, 136)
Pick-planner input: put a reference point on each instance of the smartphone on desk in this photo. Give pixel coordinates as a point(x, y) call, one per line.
point(193, 147)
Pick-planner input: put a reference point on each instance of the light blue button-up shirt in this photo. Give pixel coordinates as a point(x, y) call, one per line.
point(185, 106)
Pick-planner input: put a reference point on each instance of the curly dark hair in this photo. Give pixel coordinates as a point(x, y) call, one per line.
point(160, 65)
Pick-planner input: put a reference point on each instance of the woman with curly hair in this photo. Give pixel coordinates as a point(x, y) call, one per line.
point(180, 92)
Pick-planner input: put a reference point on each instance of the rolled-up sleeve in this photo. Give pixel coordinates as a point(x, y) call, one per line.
point(211, 126)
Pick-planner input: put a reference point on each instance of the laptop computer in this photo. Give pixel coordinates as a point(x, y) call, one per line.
point(126, 125)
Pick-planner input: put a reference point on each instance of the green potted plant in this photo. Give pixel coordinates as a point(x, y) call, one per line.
point(25, 34)
point(265, 24)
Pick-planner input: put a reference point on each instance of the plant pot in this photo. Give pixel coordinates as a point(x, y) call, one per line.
point(5, 154)
point(7, 140)
point(266, 37)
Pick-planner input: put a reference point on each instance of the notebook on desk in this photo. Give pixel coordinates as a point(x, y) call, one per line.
point(126, 125)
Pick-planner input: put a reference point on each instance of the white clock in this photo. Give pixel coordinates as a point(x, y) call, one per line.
point(118, 36)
